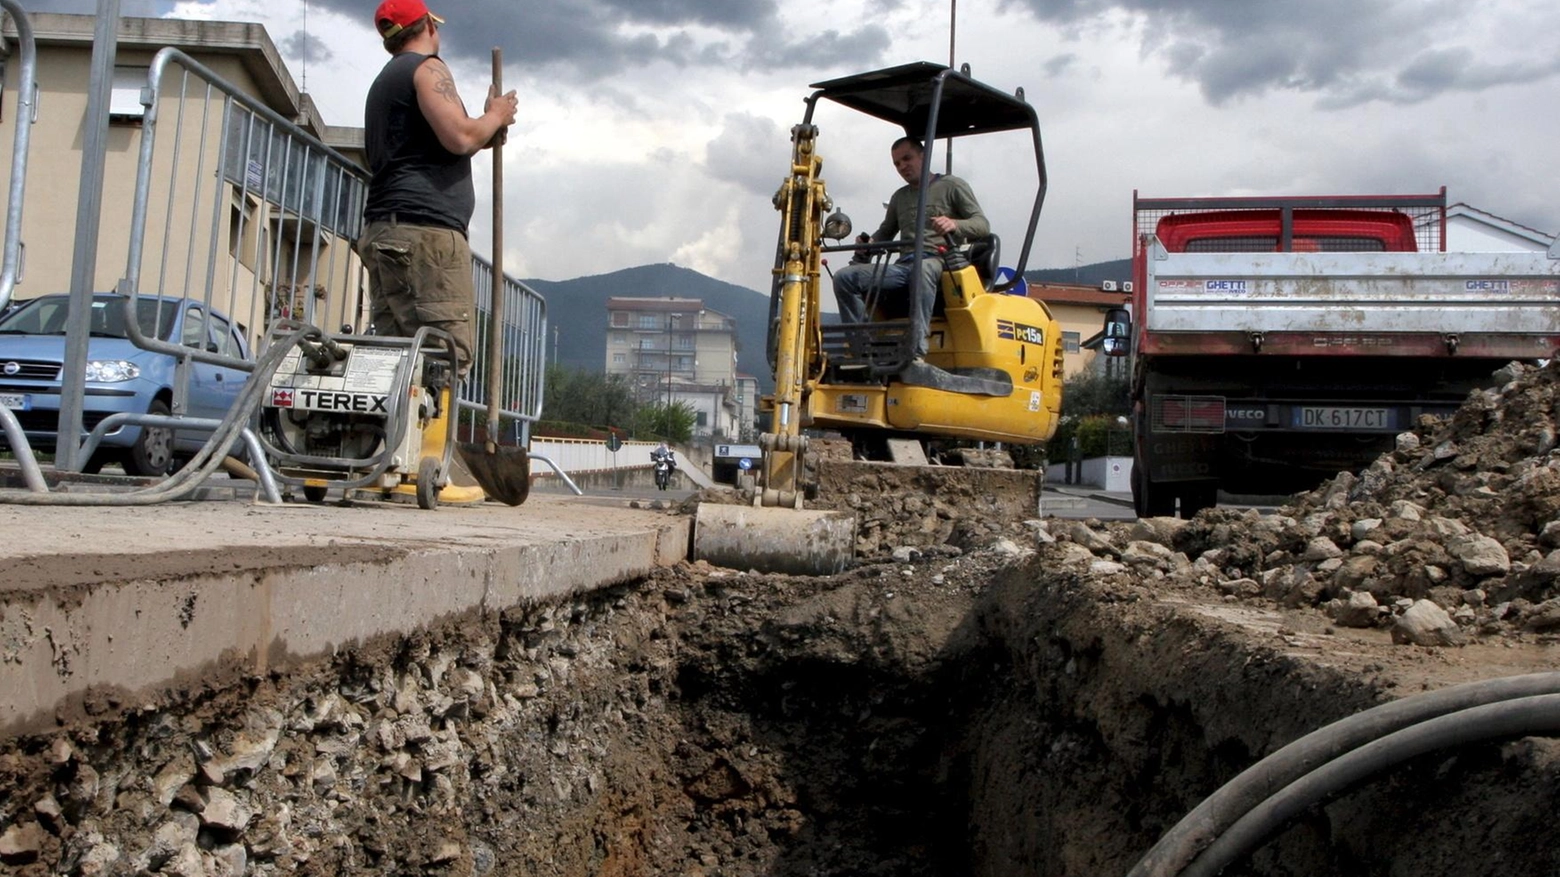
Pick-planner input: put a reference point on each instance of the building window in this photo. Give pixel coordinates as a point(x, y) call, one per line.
point(684, 342)
point(619, 339)
point(1070, 342)
point(702, 419)
point(620, 319)
point(648, 321)
point(619, 358)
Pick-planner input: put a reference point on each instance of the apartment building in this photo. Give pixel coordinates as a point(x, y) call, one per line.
point(676, 350)
point(1081, 312)
point(280, 233)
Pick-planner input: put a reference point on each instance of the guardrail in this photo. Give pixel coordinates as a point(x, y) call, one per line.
point(583, 456)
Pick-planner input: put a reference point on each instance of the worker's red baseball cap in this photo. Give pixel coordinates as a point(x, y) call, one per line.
point(393, 15)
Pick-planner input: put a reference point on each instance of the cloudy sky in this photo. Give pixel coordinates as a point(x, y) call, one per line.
point(657, 130)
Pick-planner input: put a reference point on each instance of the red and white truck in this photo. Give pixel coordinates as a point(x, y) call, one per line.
point(1278, 341)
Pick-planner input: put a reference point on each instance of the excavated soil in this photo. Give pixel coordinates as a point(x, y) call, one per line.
point(986, 694)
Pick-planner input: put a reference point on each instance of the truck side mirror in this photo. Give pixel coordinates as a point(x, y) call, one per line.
point(1118, 332)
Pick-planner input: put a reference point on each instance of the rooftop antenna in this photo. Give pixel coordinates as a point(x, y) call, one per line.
point(305, 86)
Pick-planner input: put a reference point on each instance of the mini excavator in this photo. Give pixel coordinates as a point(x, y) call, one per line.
point(994, 364)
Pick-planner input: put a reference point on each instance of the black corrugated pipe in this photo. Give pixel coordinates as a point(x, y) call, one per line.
point(1522, 717)
point(1220, 810)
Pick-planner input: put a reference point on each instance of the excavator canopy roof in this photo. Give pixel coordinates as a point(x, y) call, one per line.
point(903, 95)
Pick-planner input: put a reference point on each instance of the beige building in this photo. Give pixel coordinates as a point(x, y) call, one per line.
point(747, 408)
point(1081, 312)
point(676, 350)
point(269, 233)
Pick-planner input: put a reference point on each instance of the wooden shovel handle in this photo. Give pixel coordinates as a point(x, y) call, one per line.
point(496, 315)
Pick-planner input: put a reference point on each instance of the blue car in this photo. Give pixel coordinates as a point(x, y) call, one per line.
point(121, 377)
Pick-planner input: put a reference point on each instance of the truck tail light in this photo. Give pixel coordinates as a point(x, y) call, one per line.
point(1187, 414)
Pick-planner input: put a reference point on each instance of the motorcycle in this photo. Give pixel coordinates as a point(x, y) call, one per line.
point(663, 472)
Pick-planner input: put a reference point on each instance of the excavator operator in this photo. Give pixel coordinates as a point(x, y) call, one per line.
point(951, 210)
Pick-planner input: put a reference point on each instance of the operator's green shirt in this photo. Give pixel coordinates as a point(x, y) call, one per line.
point(947, 196)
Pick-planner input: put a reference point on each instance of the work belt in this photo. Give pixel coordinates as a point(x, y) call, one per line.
point(402, 217)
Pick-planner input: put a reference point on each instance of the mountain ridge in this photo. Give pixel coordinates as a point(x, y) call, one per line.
point(577, 308)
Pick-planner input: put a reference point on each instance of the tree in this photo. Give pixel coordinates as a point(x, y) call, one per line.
point(673, 422)
point(1092, 392)
point(1093, 404)
point(590, 398)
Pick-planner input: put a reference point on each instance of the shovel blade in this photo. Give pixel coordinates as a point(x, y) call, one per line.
point(503, 473)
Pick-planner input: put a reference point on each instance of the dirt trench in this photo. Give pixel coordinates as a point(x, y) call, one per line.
point(984, 695)
point(972, 712)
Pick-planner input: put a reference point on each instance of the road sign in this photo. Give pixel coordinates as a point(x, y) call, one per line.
point(738, 451)
point(744, 464)
point(614, 444)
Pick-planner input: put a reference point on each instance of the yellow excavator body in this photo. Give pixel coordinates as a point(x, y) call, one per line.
point(993, 366)
point(1013, 335)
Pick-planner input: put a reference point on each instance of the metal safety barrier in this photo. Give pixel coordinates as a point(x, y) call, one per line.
point(26, 114)
point(239, 208)
point(249, 214)
point(523, 365)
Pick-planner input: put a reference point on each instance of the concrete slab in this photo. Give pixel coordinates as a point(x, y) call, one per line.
point(101, 605)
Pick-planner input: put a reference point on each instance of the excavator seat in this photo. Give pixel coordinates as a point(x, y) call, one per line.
point(986, 254)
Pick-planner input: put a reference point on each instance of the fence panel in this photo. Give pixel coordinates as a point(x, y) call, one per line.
point(249, 213)
point(523, 362)
point(241, 209)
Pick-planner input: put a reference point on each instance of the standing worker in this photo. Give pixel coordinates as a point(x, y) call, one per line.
point(420, 197)
point(420, 141)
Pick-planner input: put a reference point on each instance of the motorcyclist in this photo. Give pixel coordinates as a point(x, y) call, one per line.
point(662, 452)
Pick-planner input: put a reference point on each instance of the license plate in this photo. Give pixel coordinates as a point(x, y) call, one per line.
point(1337, 417)
point(15, 401)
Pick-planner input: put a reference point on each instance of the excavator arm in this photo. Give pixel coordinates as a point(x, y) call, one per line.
point(795, 337)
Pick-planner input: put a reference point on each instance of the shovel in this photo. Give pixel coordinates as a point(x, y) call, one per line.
point(504, 473)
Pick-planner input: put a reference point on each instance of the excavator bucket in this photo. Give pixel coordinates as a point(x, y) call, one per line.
point(778, 540)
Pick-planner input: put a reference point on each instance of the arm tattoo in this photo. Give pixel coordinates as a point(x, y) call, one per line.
point(444, 85)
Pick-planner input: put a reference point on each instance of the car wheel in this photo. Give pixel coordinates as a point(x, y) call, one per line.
point(152, 453)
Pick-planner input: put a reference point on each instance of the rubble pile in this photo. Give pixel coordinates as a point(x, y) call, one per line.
point(1450, 537)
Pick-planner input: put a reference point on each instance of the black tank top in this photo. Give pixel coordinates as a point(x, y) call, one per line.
point(414, 176)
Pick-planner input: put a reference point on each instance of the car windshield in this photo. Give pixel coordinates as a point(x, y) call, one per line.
point(46, 316)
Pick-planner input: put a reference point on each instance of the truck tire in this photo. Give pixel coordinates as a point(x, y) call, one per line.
point(1198, 495)
point(1150, 500)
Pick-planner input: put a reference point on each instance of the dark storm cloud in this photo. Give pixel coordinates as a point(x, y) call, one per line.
point(127, 8)
point(820, 51)
point(1459, 69)
point(1345, 52)
point(746, 152)
point(727, 14)
point(303, 46)
point(1060, 64)
point(598, 38)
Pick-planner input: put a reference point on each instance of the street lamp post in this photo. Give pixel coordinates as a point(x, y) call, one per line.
point(672, 321)
point(953, 21)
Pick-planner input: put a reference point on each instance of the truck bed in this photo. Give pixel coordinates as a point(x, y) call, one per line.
point(1381, 304)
